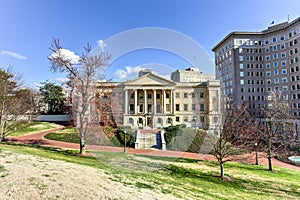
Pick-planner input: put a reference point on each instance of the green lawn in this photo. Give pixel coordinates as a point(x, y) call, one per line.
point(65, 135)
point(183, 178)
point(24, 128)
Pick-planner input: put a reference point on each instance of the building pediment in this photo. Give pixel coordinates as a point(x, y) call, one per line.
point(150, 80)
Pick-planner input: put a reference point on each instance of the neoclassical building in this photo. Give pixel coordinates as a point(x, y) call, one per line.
point(151, 102)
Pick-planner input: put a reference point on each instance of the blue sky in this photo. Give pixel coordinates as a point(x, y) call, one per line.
point(27, 28)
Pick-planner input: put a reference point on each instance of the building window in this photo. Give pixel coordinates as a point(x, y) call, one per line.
point(193, 95)
point(282, 38)
point(268, 73)
point(149, 108)
point(185, 95)
point(131, 121)
point(242, 82)
point(158, 96)
point(201, 107)
point(168, 95)
point(185, 119)
point(275, 64)
point(274, 39)
point(276, 72)
point(177, 107)
point(274, 48)
point(158, 108)
point(283, 55)
point(131, 108)
point(276, 80)
point(283, 63)
point(201, 95)
point(193, 107)
point(283, 71)
point(177, 95)
point(275, 56)
point(284, 80)
point(141, 108)
point(241, 74)
point(185, 107)
point(241, 58)
point(267, 50)
point(267, 65)
point(168, 109)
point(267, 57)
point(241, 66)
point(177, 119)
point(149, 96)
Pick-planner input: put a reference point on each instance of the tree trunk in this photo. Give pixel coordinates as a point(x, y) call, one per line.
point(222, 169)
point(82, 144)
point(270, 163)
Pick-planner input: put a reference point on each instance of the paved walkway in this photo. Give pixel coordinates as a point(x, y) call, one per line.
point(38, 139)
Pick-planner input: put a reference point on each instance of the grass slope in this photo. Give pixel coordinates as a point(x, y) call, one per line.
point(181, 178)
point(65, 135)
point(24, 128)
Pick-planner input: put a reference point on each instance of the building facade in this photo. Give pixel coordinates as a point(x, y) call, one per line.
point(191, 75)
point(151, 101)
point(252, 65)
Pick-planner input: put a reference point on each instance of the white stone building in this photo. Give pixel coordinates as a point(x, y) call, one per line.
point(152, 102)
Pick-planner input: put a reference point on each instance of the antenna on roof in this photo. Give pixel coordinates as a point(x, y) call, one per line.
point(288, 18)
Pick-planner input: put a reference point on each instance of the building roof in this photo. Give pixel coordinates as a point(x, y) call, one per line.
point(271, 29)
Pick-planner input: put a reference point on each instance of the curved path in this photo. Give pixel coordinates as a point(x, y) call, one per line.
point(38, 139)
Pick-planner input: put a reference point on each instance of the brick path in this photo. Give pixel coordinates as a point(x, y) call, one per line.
point(38, 139)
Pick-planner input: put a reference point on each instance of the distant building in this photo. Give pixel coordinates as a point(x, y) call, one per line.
point(191, 75)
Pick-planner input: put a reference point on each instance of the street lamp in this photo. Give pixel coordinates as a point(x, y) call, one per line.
point(256, 156)
point(124, 141)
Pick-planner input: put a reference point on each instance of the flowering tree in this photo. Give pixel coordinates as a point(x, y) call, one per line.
point(83, 73)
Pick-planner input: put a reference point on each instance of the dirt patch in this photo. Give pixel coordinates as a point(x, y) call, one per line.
point(32, 177)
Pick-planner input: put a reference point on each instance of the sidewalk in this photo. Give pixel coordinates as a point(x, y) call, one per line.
point(38, 139)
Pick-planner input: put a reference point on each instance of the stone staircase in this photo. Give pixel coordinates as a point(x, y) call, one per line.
point(150, 138)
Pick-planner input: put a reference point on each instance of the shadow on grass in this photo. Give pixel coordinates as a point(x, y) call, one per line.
point(255, 186)
point(37, 145)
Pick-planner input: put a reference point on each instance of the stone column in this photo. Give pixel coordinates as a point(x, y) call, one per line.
point(135, 101)
point(173, 102)
point(164, 101)
point(126, 101)
point(145, 101)
point(154, 101)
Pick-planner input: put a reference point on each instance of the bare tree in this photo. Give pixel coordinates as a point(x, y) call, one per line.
point(83, 73)
point(275, 126)
point(235, 132)
point(9, 83)
point(23, 105)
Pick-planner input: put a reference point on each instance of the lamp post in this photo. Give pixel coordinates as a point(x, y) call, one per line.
point(256, 156)
point(124, 141)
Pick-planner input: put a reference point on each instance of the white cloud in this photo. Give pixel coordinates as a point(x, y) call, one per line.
point(132, 72)
point(127, 73)
point(67, 55)
point(12, 54)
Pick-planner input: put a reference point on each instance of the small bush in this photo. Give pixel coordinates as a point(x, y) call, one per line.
point(180, 138)
point(120, 136)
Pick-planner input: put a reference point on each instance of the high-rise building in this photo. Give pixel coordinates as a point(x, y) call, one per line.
point(252, 65)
